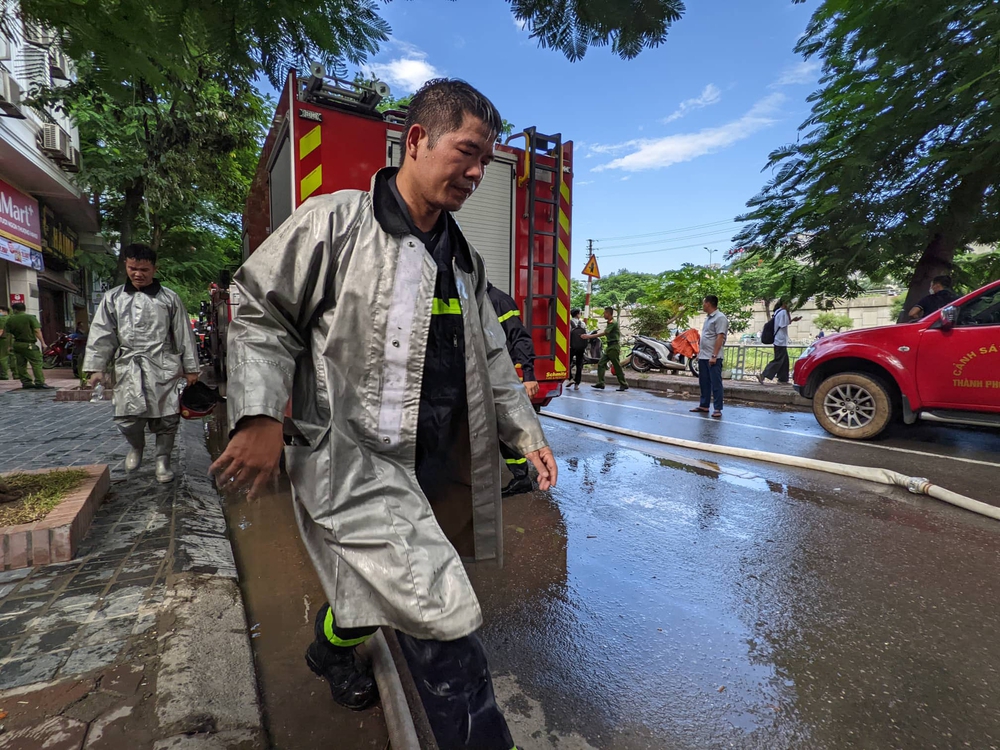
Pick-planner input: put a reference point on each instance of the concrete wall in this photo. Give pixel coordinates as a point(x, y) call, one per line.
point(866, 312)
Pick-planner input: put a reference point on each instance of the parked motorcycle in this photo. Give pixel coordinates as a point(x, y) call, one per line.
point(59, 353)
point(649, 353)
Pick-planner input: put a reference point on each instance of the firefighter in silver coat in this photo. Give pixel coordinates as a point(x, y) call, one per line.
point(345, 309)
point(142, 329)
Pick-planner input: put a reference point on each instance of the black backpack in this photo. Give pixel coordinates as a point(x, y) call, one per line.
point(767, 335)
point(577, 343)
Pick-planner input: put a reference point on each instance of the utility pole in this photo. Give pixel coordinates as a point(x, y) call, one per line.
point(590, 280)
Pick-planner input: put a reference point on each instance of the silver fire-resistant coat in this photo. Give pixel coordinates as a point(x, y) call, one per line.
point(334, 312)
point(149, 338)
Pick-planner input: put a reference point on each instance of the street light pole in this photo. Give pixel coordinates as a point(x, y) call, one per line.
point(710, 254)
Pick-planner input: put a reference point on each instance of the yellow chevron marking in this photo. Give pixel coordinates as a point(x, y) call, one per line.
point(563, 252)
point(564, 191)
point(311, 182)
point(561, 341)
point(310, 142)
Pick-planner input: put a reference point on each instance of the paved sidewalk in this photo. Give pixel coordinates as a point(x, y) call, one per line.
point(141, 641)
point(686, 386)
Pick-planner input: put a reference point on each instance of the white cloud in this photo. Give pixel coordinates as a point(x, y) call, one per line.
point(709, 96)
point(662, 152)
point(581, 183)
point(521, 24)
point(407, 72)
point(804, 71)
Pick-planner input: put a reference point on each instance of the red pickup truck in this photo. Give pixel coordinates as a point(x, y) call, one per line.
point(942, 368)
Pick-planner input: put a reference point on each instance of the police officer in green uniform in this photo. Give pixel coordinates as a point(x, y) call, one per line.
point(612, 352)
point(25, 329)
point(4, 344)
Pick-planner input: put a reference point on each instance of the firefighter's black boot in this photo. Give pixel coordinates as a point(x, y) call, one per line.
point(521, 483)
point(351, 683)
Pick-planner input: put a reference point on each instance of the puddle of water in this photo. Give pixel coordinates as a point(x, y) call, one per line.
point(281, 594)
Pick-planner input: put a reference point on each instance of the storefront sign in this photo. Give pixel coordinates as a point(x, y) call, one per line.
point(17, 299)
point(19, 219)
point(15, 252)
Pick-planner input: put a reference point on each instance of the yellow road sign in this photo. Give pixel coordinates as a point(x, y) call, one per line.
point(591, 268)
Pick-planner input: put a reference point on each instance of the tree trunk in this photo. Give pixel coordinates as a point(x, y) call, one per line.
point(936, 261)
point(939, 255)
point(130, 215)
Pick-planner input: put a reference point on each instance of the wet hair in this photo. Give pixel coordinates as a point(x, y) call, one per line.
point(712, 300)
point(574, 312)
point(944, 281)
point(139, 251)
point(19, 307)
point(442, 103)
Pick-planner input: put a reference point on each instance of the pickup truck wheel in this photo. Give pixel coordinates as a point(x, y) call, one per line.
point(852, 405)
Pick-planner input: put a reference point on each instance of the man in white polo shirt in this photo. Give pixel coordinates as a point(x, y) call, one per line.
point(713, 338)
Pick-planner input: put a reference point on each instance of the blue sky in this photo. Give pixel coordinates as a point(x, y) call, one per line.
point(671, 143)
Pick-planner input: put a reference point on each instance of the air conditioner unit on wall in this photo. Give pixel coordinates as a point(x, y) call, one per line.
point(10, 96)
point(74, 164)
point(66, 146)
point(58, 65)
point(37, 34)
point(36, 67)
point(48, 139)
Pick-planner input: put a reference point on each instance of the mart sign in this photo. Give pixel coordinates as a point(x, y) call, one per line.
point(19, 219)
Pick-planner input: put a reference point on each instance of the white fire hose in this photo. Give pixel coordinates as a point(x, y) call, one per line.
point(916, 485)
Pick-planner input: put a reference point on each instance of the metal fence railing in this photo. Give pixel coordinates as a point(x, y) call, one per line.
point(754, 359)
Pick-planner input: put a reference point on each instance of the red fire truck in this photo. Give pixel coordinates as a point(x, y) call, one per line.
point(328, 135)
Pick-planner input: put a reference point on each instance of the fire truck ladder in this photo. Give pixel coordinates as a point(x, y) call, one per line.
point(542, 210)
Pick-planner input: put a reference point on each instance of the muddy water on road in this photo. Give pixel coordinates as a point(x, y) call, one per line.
point(661, 602)
point(281, 594)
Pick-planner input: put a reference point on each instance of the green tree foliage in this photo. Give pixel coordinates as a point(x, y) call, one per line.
point(572, 26)
point(620, 289)
point(577, 293)
point(153, 39)
point(973, 270)
point(832, 321)
point(679, 294)
point(899, 163)
point(169, 164)
point(767, 280)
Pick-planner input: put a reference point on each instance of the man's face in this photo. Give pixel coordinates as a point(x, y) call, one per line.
point(609, 315)
point(707, 306)
point(449, 173)
point(139, 272)
point(935, 288)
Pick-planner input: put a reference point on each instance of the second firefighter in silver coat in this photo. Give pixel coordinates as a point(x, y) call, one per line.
point(142, 329)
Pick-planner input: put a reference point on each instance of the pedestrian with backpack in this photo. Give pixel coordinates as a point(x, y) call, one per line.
point(776, 333)
point(577, 347)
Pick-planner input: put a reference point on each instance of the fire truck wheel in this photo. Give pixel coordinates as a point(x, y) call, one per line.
point(852, 405)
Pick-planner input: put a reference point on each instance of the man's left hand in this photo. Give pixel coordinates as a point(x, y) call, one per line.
point(191, 377)
point(545, 463)
point(712, 360)
point(531, 386)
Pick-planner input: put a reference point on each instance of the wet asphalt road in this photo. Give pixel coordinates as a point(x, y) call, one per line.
point(662, 598)
point(659, 598)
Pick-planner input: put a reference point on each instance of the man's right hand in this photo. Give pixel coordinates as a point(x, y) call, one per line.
point(252, 457)
point(95, 378)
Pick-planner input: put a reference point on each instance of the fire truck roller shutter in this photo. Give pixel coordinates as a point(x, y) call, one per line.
point(281, 185)
point(487, 218)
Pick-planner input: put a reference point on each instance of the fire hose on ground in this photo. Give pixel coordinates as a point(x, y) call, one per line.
point(916, 485)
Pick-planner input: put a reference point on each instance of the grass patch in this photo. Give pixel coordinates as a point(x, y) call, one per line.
point(40, 493)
